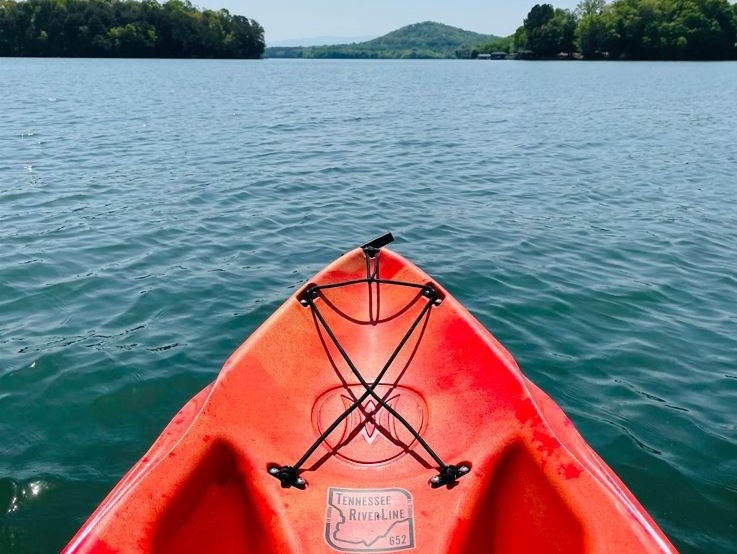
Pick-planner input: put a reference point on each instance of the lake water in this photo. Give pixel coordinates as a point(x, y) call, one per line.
point(153, 213)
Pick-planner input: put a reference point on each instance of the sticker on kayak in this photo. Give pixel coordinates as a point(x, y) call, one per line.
point(369, 520)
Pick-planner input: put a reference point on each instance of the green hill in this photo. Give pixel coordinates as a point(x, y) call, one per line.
point(422, 40)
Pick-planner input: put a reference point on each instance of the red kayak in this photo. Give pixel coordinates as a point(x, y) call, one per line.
point(370, 413)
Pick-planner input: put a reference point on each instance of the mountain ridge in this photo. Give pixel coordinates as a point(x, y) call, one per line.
point(424, 40)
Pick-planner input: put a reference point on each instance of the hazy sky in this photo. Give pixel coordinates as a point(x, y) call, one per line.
point(294, 19)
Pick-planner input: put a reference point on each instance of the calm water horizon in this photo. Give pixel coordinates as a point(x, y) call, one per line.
point(154, 212)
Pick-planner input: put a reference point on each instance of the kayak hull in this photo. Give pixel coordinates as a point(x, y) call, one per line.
point(207, 484)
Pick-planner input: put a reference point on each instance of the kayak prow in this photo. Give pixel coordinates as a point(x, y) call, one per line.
point(370, 413)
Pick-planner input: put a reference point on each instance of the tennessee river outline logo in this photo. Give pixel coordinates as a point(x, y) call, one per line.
point(369, 520)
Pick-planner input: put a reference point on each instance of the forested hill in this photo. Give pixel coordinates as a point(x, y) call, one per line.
point(125, 28)
point(421, 40)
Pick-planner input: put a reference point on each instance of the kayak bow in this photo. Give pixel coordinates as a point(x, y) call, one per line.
point(370, 413)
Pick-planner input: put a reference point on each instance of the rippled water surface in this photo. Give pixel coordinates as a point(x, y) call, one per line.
point(153, 213)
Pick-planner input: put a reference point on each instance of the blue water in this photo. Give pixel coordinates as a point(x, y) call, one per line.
point(153, 213)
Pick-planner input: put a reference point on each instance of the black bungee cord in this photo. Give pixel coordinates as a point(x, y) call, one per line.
point(288, 475)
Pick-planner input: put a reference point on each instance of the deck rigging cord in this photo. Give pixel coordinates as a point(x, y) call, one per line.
point(288, 475)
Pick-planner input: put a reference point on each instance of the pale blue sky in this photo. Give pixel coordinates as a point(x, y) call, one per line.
point(293, 19)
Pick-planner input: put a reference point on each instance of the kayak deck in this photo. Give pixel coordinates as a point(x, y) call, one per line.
point(325, 371)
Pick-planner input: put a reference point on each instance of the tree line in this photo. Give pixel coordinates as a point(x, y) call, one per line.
point(125, 28)
point(353, 52)
point(628, 29)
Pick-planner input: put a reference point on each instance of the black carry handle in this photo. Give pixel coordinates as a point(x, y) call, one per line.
point(378, 243)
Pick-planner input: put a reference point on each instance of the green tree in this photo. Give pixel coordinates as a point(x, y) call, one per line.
point(563, 30)
point(590, 7)
point(549, 31)
point(519, 39)
point(593, 31)
point(132, 40)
